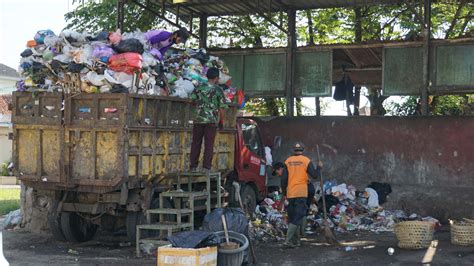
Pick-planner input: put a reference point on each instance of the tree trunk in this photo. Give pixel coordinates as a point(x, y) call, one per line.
point(310, 27)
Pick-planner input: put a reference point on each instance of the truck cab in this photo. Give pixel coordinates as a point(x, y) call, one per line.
point(250, 165)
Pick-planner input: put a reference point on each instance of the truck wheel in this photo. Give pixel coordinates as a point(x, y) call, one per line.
point(76, 228)
point(54, 221)
point(249, 198)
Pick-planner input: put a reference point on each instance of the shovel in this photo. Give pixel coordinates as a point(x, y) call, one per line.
point(227, 244)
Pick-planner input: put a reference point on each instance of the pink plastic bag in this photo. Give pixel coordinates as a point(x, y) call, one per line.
point(126, 62)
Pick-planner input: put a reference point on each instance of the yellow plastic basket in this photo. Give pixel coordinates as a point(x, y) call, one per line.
point(414, 234)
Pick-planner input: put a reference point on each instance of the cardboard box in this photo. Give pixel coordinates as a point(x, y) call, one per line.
point(168, 256)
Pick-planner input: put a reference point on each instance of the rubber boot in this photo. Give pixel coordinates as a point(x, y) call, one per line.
point(303, 226)
point(297, 237)
point(290, 236)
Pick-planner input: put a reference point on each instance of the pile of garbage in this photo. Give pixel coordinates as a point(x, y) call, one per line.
point(110, 62)
point(348, 210)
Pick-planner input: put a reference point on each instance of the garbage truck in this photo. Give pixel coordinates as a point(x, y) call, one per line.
point(103, 159)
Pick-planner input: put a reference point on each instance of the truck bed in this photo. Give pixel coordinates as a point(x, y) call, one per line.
point(97, 142)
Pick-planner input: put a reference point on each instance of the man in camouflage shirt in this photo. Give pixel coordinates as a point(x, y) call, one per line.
point(210, 102)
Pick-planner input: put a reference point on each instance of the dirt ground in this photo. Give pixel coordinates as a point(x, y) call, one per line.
point(23, 248)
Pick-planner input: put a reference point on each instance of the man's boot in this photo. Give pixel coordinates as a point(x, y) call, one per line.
point(303, 226)
point(290, 235)
point(297, 237)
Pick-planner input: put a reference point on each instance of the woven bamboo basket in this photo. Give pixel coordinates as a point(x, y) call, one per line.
point(462, 233)
point(414, 234)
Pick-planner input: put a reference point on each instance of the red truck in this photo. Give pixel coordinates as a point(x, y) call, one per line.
point(104, 159)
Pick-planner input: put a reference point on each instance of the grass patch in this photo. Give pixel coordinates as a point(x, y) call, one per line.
point(9, 200)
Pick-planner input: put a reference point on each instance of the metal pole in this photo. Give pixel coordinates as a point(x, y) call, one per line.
point(290, 99)
point(120, 15)
point(426, 56)
point(203, 31)
point(318, 106)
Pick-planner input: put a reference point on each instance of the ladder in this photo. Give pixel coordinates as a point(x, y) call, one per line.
point(186, 203)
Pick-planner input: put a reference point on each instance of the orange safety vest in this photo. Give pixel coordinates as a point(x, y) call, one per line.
point(297, 166)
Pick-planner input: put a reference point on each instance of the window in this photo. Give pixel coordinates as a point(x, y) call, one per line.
point(252, 138)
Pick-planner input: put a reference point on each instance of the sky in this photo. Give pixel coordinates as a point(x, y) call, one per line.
point(21, 19)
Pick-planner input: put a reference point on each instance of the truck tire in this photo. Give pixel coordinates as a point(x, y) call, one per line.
point(249, 198)
point(54, 221)
point(77, 229)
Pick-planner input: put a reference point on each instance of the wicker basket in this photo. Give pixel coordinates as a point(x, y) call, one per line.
point(414, 234)
point(462, 234)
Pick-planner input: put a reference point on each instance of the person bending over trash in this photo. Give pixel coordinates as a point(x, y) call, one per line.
point(161, 40)
point(210, 102)
point(295, 187)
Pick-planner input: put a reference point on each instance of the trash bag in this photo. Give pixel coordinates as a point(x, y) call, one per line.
point(26, 53)
point(129, 46)
point(101, 36)
point(194, 239)
point(330, 201)
point(126, 62)
point(235, 218)
point(75, 68)
point(382, 189)
point(118, 88)
point(102, 50)
point(41, 34)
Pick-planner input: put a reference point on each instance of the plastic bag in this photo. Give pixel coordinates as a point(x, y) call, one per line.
point(41, 34)
point(115, 37)
point(223, 78)
point(95, 79)
point(102, 50)
point(235, 218)
point(148, 60)
point(126, 62)
point(129, 45)
point(193, 239)
point(27, 52)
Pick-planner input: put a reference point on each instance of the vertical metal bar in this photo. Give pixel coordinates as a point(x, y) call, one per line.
point(426, 54)
point(191, 22)
point(203, 31)
point(318, 106)
point(290, 100)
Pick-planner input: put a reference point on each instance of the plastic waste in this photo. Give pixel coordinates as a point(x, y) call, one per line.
point(194, 239)
point(41, 34)
point(236, 220)
point(126, 62)
point(129, 46)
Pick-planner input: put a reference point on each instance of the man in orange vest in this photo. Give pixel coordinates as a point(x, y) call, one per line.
point(294, 183)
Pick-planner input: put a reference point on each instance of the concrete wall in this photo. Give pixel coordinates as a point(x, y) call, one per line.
point(429, 161)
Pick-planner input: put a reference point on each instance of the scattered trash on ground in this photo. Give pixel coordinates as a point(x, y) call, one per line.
point(12, 219)
point(348, 210)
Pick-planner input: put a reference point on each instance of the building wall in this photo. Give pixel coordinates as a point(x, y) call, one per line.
point(7, 82)
point(429, 161)
point(5, 145)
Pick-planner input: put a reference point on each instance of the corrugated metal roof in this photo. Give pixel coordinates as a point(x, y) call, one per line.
point(7, 71)
point(241, 7)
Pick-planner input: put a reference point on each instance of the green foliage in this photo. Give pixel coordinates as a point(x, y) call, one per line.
point(405, 106)
point(266, 107)
point(9, 200)
point(4, 170)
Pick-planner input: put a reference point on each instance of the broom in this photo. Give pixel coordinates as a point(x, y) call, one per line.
point(328, 235)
